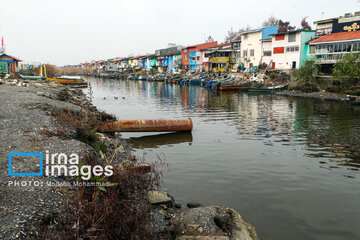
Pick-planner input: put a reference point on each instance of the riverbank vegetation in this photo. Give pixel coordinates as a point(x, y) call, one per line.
point(52, 71)
point(345, 77)
point(113, 207)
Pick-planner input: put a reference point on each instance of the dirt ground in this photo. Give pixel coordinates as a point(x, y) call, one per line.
point(24, 116)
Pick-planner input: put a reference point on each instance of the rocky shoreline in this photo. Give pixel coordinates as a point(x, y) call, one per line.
point(27, 124)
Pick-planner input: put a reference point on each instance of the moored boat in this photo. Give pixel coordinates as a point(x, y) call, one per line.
point(235, 87)
point(268, 89)
point(32, 77)
point(73, 81)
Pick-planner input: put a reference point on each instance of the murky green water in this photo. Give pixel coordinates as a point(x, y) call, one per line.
point(290, 166)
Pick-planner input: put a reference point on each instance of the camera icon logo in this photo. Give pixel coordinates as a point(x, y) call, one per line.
point(19, 154)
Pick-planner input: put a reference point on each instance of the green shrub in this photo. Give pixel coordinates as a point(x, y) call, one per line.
point(347, 69)
point(307, 87)
point(308, 72)
point(353, 92)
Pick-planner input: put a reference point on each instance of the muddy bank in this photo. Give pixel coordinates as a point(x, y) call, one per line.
point(318, 95)
point(28, 124)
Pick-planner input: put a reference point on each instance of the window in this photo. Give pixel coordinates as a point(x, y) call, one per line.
point(236, 46)
point(198, 58)
point(186, 57)
point(292, 37)
point(245, 53)
point(348, 47)
point(312, 50)
point(280, 37)
point(292, 49)
point(252, 52)
point(278, 50)
point(267, 53)
point(356, 46)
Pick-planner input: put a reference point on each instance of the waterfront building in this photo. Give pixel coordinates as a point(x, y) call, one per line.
point(335, 37)
point(266, 44)
point(173, 61)
point(290, 49)
point(250, 48)
point(190, 56)
point(253, 47)
point(220, 57)
point(162, 61)
point(236, 51)
point(9, 64)
point(346, 23)
point(327, 49)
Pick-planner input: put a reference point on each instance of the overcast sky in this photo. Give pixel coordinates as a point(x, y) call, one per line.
point(73, 31)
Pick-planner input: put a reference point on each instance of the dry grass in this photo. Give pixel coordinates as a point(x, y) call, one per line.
point(118, 212)
point(83, 122)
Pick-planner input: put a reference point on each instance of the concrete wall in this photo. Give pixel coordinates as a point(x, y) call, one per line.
point(304, 50)
point(284, 61)
point(266, 46)
point(192, 63)
point(252, 41)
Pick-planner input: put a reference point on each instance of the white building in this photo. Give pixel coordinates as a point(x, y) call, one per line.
point(266, 50)
point(290, 48)
point(251, 48)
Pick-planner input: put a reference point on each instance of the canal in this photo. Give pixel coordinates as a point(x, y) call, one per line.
point(289, 166)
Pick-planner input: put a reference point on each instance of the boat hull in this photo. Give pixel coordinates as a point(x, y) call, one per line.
point(252, 89)
point(32, 77)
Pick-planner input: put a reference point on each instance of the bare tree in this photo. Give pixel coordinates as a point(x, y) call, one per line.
point(210, 39)
point(305, 25)
point(232, 34)
point(270, 21)
point(285, 26)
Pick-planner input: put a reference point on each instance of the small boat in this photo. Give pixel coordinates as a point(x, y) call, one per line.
point(268, 89)
point(235, 87)
point(66, 79)
point(72, 81)
point(32, 77)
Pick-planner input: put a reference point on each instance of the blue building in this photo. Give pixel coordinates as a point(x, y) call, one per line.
point(192, 61)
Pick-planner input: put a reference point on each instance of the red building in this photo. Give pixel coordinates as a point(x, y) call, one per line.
point(190, 55)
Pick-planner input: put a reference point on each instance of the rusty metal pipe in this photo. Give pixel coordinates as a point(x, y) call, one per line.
point(160, 125)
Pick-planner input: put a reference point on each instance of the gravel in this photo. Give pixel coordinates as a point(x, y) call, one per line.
point(24, 114)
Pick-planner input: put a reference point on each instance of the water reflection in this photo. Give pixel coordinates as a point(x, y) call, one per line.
point(155, 141)
point(330, 130)
point(289, 165)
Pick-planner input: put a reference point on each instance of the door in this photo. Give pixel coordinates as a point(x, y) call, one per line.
point(294, 64)
point(273, 65)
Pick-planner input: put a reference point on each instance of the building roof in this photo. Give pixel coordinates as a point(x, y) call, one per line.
point(219, 46)
point(325, 20)
point(251, 31)
point(222, 50)
point(201, 45)
point(176, 52)
point(341, 36)
point(266, 39)
point(294, 31)
point(17, 59)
